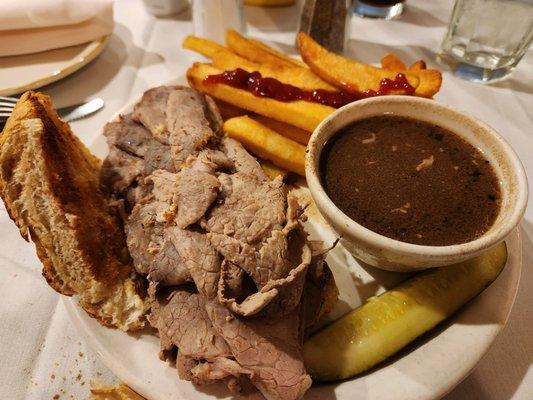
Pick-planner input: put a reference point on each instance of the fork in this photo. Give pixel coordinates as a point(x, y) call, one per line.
point(6, 107)
point(70, 113)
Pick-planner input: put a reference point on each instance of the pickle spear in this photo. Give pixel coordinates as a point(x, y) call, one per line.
point(386, 323)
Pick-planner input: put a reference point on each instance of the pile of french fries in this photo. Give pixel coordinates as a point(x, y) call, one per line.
point(275, 131)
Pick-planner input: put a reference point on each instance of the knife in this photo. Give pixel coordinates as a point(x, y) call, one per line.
point(67, 114)
point(72, 113)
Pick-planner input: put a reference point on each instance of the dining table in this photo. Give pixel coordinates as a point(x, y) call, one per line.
point(43, 356)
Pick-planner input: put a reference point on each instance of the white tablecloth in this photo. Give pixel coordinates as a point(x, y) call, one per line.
point(41, 355)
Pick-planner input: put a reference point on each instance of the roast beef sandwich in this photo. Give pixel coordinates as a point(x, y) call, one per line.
point(233, 282)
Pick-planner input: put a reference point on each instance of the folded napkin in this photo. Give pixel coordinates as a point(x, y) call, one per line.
point(39, 25)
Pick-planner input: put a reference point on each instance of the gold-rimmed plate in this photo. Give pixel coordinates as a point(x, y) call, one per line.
point(31, 71)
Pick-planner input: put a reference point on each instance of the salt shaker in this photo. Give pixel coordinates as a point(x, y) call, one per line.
point(327, 22)
point(212, 18)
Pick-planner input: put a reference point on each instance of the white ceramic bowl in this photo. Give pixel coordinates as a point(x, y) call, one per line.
point(383, 252)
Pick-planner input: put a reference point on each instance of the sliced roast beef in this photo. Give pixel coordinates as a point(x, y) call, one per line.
point(200, 258)
point(164, 184)
point(129, 136)
point(198, 186)
point(120, 171)
point(188, 121)
point(180, 117)
point(251, 209)
point(158, 156)
point(320, 293)
point(144, 235)
point(269, 347)
point(223, 247)
point(151, 246)
point(167, 268)
point(151, 111)
point(220, 369)
point(182, 322)
point(133, 138)
point(244, 162)
point(133, 154)
point(277, 266)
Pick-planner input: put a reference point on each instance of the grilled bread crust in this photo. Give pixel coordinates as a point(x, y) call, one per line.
point(49, 182)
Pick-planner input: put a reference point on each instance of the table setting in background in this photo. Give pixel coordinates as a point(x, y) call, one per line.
point(265, 206)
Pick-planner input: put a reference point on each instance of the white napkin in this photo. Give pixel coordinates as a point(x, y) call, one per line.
point(39, 25)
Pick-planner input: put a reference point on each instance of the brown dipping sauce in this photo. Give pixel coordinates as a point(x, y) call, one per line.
point(411, 181)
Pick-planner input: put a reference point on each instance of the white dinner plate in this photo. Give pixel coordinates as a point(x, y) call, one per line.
point(31, 71)
point(425, 370)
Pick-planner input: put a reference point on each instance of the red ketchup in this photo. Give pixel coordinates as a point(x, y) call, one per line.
point(260, 86)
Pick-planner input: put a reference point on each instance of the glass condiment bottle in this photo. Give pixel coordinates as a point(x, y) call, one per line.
point(327, 22)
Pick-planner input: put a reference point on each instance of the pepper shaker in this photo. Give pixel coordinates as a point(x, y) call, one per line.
point(327, 22)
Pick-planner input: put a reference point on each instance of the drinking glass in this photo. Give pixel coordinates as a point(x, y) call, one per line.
point(487, 38)
point(386, 9)
point(212, 18)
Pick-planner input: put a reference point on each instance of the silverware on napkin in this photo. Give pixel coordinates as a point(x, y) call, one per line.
point(67, 114)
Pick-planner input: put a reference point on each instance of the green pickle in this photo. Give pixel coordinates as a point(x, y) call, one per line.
point(386, 323)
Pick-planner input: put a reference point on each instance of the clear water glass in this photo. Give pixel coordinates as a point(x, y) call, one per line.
point(487, 38)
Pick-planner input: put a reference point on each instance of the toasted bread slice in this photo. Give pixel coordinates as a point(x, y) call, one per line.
point(49, 182)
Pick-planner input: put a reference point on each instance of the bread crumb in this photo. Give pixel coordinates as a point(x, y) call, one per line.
point(120, 392)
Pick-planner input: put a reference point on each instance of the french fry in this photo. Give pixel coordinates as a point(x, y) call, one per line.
point(267, 143)
point(292, 132)
point(271, 170)
point(418, 66)
point(392, 62)
point(228, 110)
point(258, 53)
point(303, 114)
point(303, 78)
point(274, 52)
point(344, 73)
point(202, 46)
point(289, 131)
point(430, 79)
